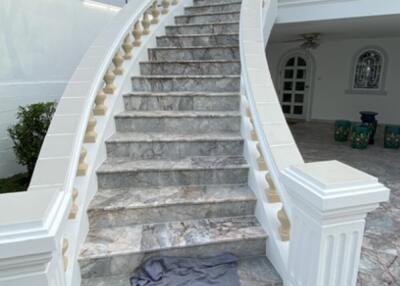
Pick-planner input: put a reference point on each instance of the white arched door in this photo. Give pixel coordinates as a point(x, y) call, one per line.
point(294, 86)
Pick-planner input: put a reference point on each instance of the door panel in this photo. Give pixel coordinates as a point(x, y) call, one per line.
point(294, 87)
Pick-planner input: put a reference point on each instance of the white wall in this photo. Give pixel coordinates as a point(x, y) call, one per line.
point(332, 78)
point(41, 43)
point(293, 11)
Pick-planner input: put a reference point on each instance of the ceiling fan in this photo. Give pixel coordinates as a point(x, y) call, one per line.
point(309, 40)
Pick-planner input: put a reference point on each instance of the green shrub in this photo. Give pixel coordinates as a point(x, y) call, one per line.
point(28, 134)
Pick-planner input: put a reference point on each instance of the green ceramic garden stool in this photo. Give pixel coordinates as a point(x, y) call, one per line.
point(360, 137)
point(342, 130)
point(392, 137)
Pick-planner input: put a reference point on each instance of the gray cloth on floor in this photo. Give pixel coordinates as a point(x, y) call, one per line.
point(184, 271)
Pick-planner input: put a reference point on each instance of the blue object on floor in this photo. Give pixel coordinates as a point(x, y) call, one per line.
point(218, 270)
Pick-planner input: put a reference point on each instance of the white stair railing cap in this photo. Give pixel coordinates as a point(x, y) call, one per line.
point(332, 185)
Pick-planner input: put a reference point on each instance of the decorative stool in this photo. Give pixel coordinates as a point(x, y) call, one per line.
point(342, 130)
point(392, 137)
point(360, 137)
point(368, 118)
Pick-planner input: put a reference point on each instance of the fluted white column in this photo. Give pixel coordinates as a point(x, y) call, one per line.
point(330, 201)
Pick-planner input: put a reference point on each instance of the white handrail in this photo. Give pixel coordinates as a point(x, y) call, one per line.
point(41, 230)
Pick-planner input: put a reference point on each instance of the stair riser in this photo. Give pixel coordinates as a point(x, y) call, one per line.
point(172, 178)
point(205, 68)
point(185, 54)
point(198, 41)
point(173, 150)
point(227, 84)
point(182, 103)
point(163, 214)
point(211, 2)
point(126, 264)
point(204, 19)
point(233, 7)
point(179, 125)
point(203, 29)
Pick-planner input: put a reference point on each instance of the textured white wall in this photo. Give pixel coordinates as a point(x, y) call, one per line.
point(41, 43)
point(332, 76)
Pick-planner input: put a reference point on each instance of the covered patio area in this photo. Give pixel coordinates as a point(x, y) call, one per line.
point(380, 261)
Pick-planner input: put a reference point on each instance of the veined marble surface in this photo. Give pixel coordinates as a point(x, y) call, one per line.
point(380, 258)
point(226, 52)
point(213, 8)
point(198, 40)
point(216, 28)
point(120, 250)
point(208, 18)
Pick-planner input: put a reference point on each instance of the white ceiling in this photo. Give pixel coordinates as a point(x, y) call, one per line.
point(366, 27)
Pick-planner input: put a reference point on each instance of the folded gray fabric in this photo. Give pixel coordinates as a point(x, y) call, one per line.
point(184, 271)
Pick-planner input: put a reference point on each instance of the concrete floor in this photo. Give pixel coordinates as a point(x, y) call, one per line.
point(380, 261)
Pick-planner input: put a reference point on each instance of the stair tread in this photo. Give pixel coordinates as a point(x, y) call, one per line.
point(181, 93)
point(197, 47)
point(210, 14)
point(253, 271)
point(176, 114)
point(191, 61)
point(203, 24)
point(116, 165)
point(216, 4)
point(198, 35)
point(111, 241)
point(136, 198)
point(186, 76)
point(122, 137)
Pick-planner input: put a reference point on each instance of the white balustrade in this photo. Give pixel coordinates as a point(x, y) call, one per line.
point(314, 213)
point(42, 230)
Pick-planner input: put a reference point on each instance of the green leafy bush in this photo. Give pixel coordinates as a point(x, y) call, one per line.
point(28, 134)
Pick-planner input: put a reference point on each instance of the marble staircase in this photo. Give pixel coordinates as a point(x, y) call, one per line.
point(175, 181)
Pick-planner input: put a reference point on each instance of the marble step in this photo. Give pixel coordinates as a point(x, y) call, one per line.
point(208, 18)
point(253, 271)
point(159, 146)
point(191, 68)
point(123, 173)
point(213, 8)
point(210, 40)
point(120, 207)
point(183, 101)
point(178, 122)
point(120, 250)
point(186, 83)
point(194, 53)
point(210, 2)
point(217, 28)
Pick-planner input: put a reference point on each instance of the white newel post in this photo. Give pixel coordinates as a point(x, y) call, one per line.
point(330, 201)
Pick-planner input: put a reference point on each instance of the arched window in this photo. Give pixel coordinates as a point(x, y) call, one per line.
point(369, 70)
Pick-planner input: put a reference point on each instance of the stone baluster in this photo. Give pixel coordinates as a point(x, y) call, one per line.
point(100, 108)
point(109, 78)
point(262, 165)
point(146, 23)
point(91, 134)
point(127, 47)
point(272, 194)
point(165, 4)
point(75, 208)
point(284, 229)
point(137, 34)
point(253, 135)
point(118, 61)
point(82, 167)
point(65, 247)
point(155, 12)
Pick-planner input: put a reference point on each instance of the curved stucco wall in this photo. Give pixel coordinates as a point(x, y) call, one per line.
point(41, 43)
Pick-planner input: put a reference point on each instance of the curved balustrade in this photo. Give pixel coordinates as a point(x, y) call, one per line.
point(51, 217)
point(303, 207)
